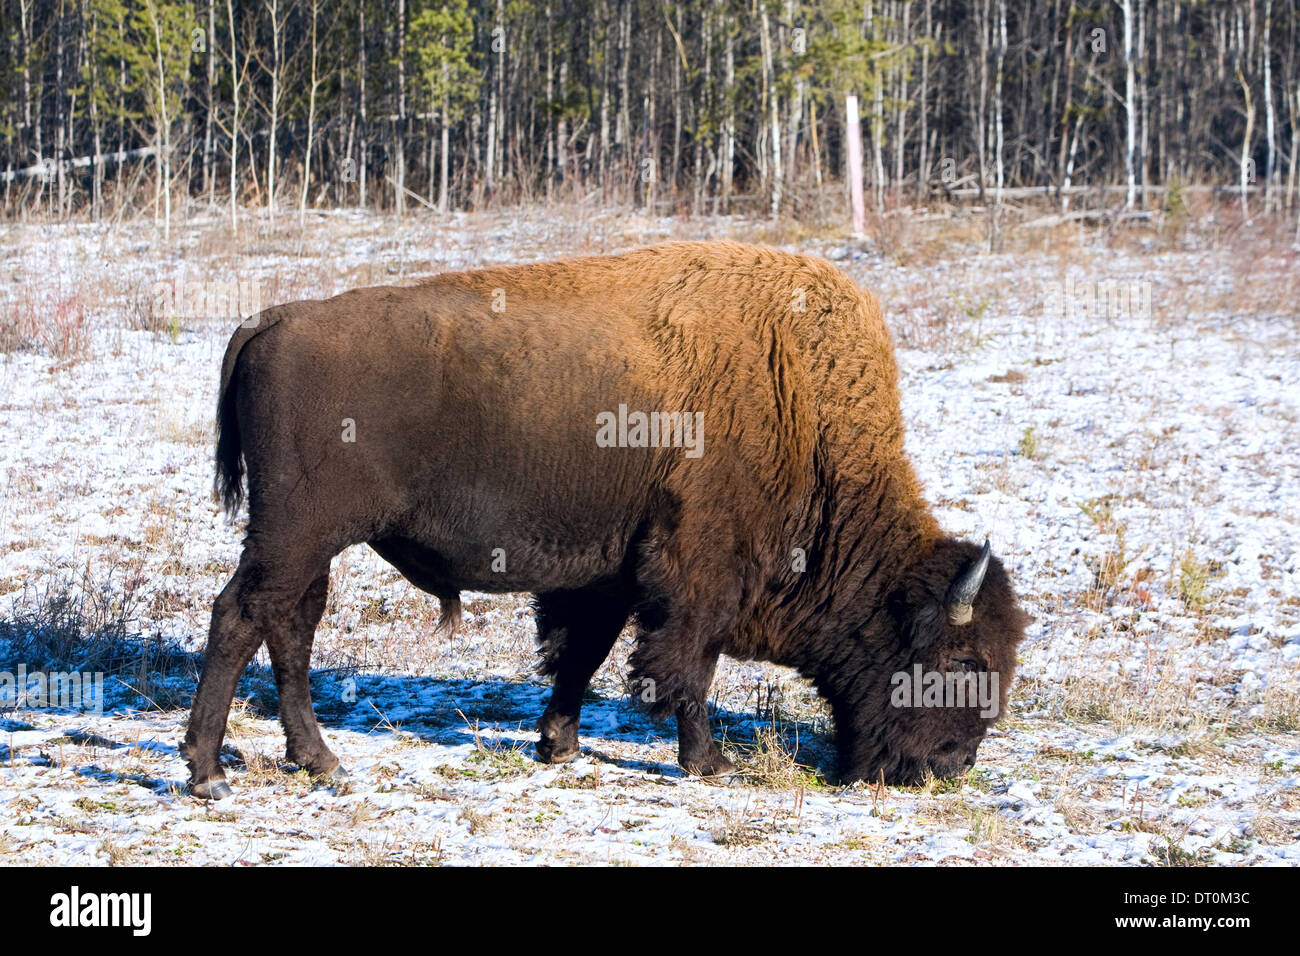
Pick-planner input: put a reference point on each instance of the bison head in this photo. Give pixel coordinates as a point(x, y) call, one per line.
point(929, 672)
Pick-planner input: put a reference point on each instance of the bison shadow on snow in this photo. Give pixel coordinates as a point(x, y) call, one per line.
point(503, 715)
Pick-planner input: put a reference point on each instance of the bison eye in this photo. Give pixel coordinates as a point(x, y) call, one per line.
point(966, 664)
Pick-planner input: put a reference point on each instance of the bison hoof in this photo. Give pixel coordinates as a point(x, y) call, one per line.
point(211, 790)
point(326, 766)
point(555, 751)
point(712, 765)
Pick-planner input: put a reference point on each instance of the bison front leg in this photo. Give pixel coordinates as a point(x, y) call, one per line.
point(576, 630)
point(677, 684)
point(290, 650)
point(697, 752)
point(677, 652)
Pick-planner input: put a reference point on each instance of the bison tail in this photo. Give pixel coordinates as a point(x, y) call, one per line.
point(449, 609)
point(229, 484)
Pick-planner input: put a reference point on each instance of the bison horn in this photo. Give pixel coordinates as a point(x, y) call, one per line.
point(961, 596)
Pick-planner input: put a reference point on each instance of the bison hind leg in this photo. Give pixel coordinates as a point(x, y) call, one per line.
point(260, 603)
point(290, 650)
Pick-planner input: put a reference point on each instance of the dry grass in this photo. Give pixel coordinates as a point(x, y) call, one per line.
point(1281, 706)
point(53, 322)
point(770, 762)
point(287, 264)
point(87, 623)
point(738, 827)
point(1193, 580)
point(477, 823)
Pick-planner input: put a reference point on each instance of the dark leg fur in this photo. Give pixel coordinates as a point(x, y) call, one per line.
point(256, 605)
point(685, 627)
point(676, 676)
point(576, 630)
point(290, 651)
point(697, 752)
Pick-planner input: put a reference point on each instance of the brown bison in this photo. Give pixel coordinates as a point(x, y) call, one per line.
point(704, 438)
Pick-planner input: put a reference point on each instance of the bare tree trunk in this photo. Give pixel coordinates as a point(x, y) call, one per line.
point(60, 142)
point(311, 117)
point(681, 75)
point(981, 105)
point(429, 160)
point(1294, 103)
point(209, 170)
point(1270, 163)
point(503, 105)
point(35, 121)
point(234, 123)
point(97, 175)
point(562, 131)
point(1144, 142)
point(1074, 145)
point(729, 133)
point(551, 145)
point(1130, 126)
point(995, 238)
point(1065, 154)
point(794, 119)
point(163, 135)
point(277, 56)
point(399, 133)
point(650, 132)
point(490, 179)
point(605, 93)
point(623, 127)
point(1245, 140)
point(79, 71)
point(774, 111)
point(923, 166)
point(877, 113)
point(501, 95)
point(816, 148)
point(363, 146)
point(853, 163)
point(25, 25)
point(900, 109)
point(443, 158)
point(700, 183)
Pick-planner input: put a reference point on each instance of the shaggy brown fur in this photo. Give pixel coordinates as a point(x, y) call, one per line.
point(474, 398)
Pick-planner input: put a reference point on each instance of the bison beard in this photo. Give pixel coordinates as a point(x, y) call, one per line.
point(452, 427)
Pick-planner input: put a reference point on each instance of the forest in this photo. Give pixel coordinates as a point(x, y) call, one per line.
point(683, 108)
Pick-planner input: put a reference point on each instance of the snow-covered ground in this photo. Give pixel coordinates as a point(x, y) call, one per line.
point(1135, 463)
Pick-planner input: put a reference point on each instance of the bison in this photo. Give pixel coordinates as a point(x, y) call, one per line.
point(703, 438)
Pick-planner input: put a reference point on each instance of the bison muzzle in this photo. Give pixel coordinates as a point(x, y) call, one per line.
point(526, 429)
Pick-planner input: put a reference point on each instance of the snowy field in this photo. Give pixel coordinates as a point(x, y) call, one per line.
point(1135, 461)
